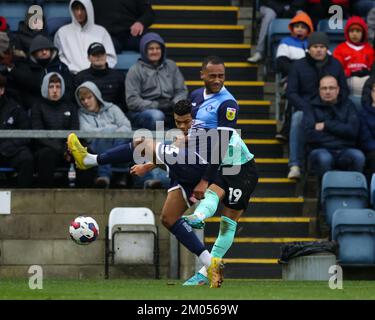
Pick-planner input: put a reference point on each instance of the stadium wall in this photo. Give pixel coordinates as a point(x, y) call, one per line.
point(36, 233)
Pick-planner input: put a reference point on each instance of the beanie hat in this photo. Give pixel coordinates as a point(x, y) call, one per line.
point(3, 24)
point(318, 38)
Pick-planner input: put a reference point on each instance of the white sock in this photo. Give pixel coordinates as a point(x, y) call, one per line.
point(203, 271)
point(205, 258)
point(91, 160)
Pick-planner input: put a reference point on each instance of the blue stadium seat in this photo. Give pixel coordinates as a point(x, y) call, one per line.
point(278, 29)
point(354, 230)
point(372, 192)
point(336, 36)
point(343, 190)
point(126, 59)
point(357, 100)
point(57, 15)
point(14, 12)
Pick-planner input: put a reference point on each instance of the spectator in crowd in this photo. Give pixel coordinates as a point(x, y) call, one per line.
point(332, 126)
point(362, 7)
point(290, 49)
point(125, 20)
point(153, 85)
point(303, 85)
point(111, 82)
point(319, 9)
point(52, 112)
point(270, 10)
point(97, 115)
point(74, 39)
point(3, 24)
point(27, 76)
point(15, 152)
point(294, 47)
point(27, 31)
point(356, 54)
point(367, 131)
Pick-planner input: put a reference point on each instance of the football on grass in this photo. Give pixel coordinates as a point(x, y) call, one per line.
point(84, 230)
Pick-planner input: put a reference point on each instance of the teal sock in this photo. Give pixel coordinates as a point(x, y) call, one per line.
point(225, 239)
point(208, 206)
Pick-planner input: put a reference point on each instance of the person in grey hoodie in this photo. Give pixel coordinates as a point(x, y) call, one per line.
point(153, 85)
point(97, 115)
point(53, 111)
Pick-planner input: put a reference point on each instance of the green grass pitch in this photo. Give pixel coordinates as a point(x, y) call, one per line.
point(173, 290)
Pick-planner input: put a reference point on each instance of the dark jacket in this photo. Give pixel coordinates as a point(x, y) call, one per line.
point(117, 16)
point(304, 77)
point(367, 88)
point(54, 115)
point(341, 125)
point(12, 117)
point(367, 132)
point(111, 83)
point(279, 6)
point(28, 75)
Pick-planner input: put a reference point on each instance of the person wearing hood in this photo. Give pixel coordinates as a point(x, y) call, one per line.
point(367, 132)
point(15, 153)
point(290, 49)
point(331, 126)
point(153, 85)
point(97, 115)
point(52, 112)
point(27, 76)
point(111, 82)
point(355, 54)
point(303, 85)
point(74, 39)
point(125, 20)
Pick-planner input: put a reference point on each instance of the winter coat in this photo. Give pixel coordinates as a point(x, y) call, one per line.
point(341, 125)
point(367, 132)
point(111, 83)
point(154, 87)
point(110, 118)
point(117, 16)
point(356, 59)
point(27, 76)
point(304, 77)
point(292, 48)
point(12, 117)
point(73, 40)
point(54, 115)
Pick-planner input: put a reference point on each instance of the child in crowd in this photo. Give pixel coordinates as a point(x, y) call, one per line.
point(292, 48)
point(355, 54)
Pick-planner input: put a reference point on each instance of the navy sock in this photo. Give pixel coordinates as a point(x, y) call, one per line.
point(185, 234)
point(120, 154)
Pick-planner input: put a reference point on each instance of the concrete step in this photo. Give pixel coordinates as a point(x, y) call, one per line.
point(194, 51)
point(175, 14)
point(275, 207)
point(200, 33)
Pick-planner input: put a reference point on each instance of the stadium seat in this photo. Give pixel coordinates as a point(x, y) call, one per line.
point(372, 192)
point(132, 238)
point(357, 100)
point(336, 36)
point(56, 15)
point(278, 29)
point(354, 230)
point(14, 12)
point(126, 59)
point(343, 190)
